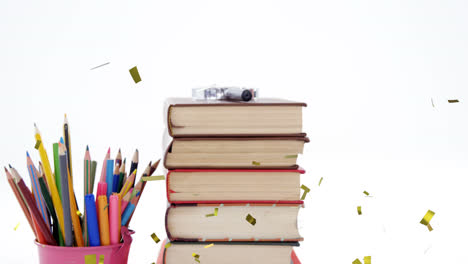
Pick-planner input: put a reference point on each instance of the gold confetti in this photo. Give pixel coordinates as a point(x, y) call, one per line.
point(153, 178)
point(306, 191)
point(359, 210)
point(101, 259)
point(210, 245)
point(16, 227)
point(366, 193)
point(168, 245)
point(453, 101)
point(135, 75)
point(320, 182)
point(90, 259)
point(78, 213)
point(429, 227)
point(357, 261)
point(432, 101)
point(367, 260)
point(251, 219)
point(197, 260)
point(214, 214)
point(291, 156)
point(255, 163)
point(38, 144)
point(195, 255)
point(155, 238)
point(427, 218)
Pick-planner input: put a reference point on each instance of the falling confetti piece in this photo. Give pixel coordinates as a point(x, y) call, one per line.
point(168, 245)
point(255, 163)
point(427, 218)
point(195, 255)
point(135, 75)
point(153, 178)
point(155, 238)
point(432, 101)
point(290, 156)
point(453, 101)
point(38, 144)
point(214, 214)
point(366, 193)
point(357, 261)
point(90, 259)
point(367, 260)
point(320, 182)
point(210, 245)
point(78, 213)
point(101, 259)
point(197, 260)
point(251, 219)
point(16, 227)
point(429, 227)
point(100, 65)
point(359, 210)
point(306, 191)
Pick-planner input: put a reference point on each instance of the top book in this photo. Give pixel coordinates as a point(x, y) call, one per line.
point(260, 117)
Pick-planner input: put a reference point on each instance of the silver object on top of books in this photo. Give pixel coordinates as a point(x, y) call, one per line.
point(225, 93)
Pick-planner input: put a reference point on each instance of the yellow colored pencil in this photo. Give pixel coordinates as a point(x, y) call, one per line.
point(50, 180)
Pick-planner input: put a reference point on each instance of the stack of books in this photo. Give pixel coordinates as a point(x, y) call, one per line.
point(232, 182)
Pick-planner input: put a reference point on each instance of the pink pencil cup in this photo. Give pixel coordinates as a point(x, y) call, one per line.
point(113, 254)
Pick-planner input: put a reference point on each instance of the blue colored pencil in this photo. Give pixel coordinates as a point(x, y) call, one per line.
point(35, 186)
point(110, 177)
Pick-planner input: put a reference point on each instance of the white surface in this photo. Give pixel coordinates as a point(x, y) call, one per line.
point(367, 70)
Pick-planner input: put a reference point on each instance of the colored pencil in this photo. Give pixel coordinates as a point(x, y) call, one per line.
point(35, 214)
point(114, 219)
point(103, 217)
point(115, 180)
point(93, 226)
point(118, 159)
point(33, 174)
point(153, 168)
point(110, 177)
point(134, 163)
point(57, 169)
point(93, 175)
point(128, 184)
point(65, 197)
point(104, 166)
point(66, 136)
point(139, 185)
point(87, 189)
point(20, 200)
point(129, 211)
point(125, 201)
point(50, 180)
point(50, 207)
point(122, 174)
point(74, 214)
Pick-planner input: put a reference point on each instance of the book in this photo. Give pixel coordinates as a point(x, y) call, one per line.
point(260, 117)
point(232, 152)
point(233, 222)
point(228, 253)
point(233, 186)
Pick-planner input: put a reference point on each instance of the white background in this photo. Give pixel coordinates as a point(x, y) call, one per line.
point(367, 70)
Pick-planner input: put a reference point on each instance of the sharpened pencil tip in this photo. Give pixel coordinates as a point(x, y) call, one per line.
point(61, 140)
point(87, 148)
point(27, 154)
point(10, 166)
point(108, 151)
point(5, 169)
point(119, 150)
